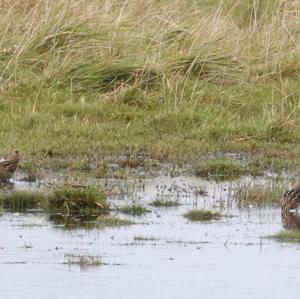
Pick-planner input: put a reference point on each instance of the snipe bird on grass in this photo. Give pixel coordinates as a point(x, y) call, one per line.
point(9, 166)
point(291, 199)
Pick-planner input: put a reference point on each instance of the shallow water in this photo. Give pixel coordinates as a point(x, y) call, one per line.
point(162, 256)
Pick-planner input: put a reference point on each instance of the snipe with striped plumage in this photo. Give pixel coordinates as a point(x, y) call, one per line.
point(9, 166)
point(291, 198)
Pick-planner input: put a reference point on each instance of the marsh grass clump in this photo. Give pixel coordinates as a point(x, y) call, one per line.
point(219, 167)
point(21, 201)
point(268, 194)
point(78, 201)
point(165, 203)
point(202, 215)
point(287, 236)
point(135, 210)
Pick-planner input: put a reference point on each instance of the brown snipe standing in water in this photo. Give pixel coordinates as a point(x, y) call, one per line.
point(9, 166)
point(291, 199)
point(290, 221)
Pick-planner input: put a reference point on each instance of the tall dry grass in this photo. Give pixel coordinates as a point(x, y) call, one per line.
point(58, 37)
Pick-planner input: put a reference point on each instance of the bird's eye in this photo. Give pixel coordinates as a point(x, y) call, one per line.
point(16, 152)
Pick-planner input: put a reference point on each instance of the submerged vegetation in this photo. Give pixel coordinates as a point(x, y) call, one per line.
point(89, 79)
point(202, 215)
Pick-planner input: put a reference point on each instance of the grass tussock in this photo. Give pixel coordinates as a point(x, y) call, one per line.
point(202, 215)
point(78, 201)
point(118, 78)
point(268, 194)
point(135, 210)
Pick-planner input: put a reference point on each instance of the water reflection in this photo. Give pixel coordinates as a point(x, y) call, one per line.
point(73, 221)
point(290, 220)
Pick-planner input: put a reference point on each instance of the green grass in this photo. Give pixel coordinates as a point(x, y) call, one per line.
point(165, 203)
point(78, 86)
point(202, 215)
point(135, 210)
point(287, 236)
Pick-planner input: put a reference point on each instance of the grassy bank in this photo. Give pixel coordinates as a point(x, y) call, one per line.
point(172, 79)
